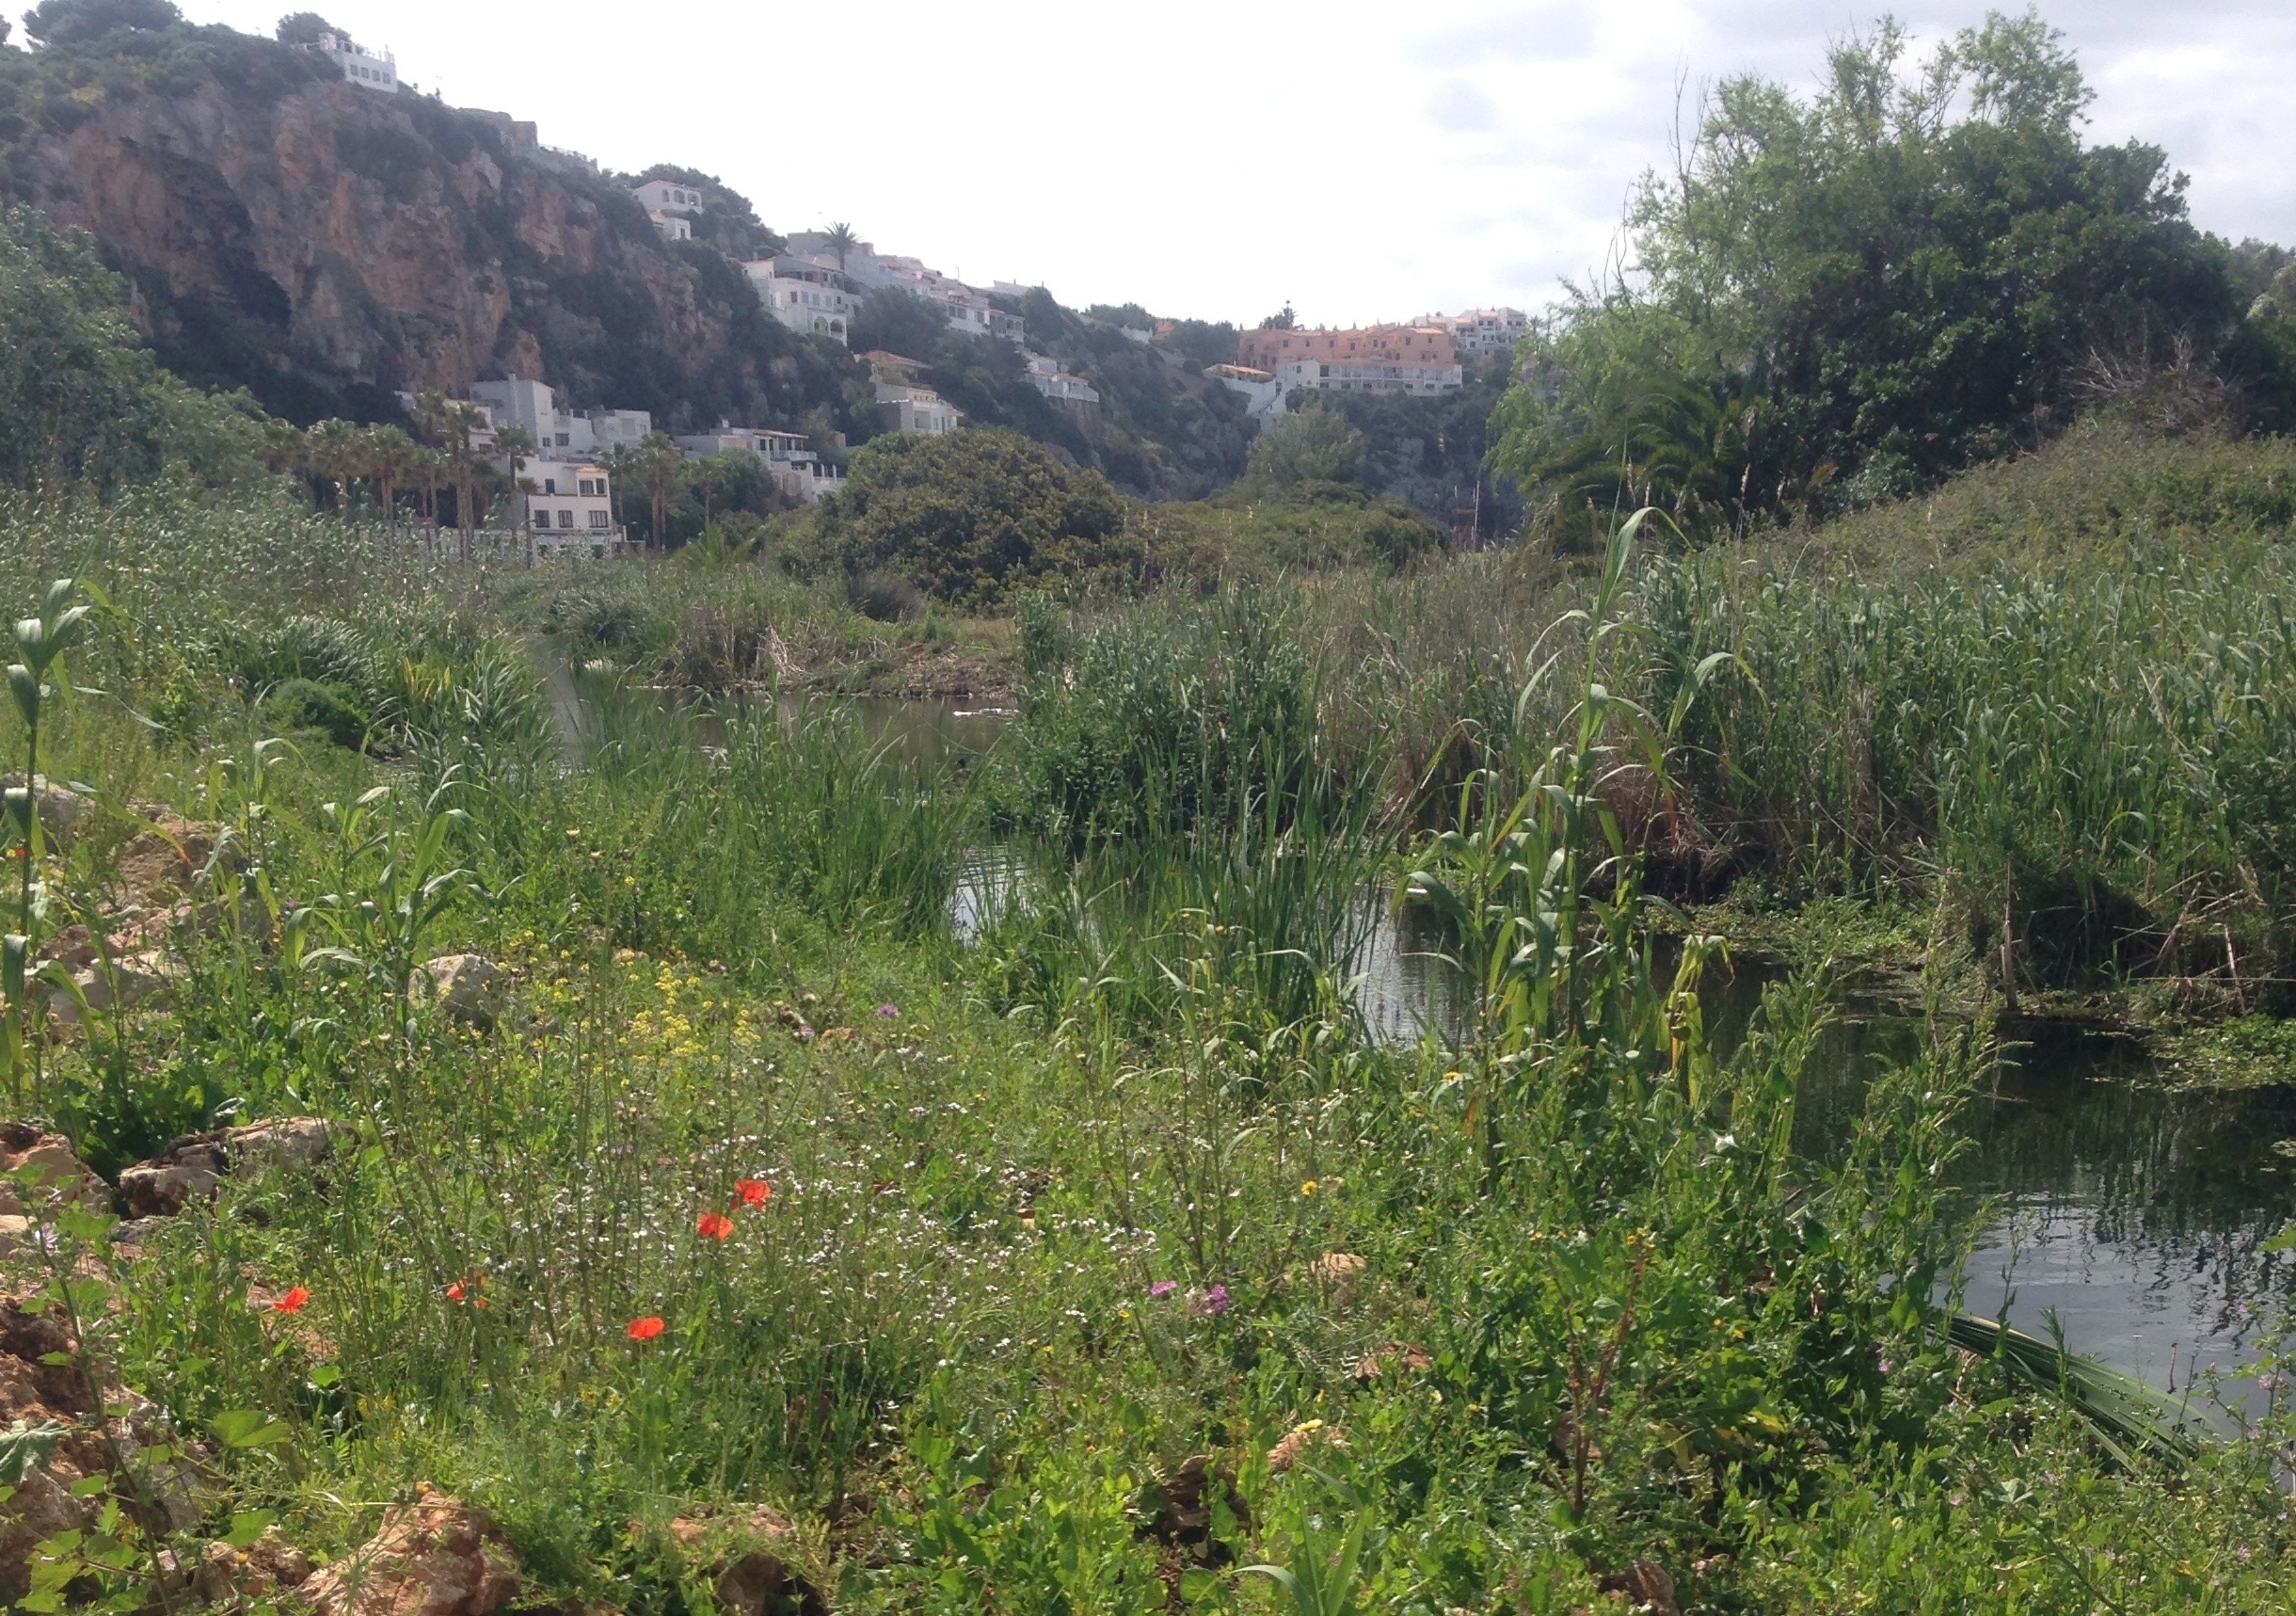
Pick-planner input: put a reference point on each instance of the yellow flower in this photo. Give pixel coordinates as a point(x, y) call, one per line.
point(1308, 1187)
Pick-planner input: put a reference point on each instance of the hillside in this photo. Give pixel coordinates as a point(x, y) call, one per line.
point(323, 245)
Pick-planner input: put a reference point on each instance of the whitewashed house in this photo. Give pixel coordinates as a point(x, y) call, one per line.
point(671, 204)
point(808, 297)
point(362, 67)
point(796, 467)
point(558, 434)
point(570, 511)
point(1048, 378)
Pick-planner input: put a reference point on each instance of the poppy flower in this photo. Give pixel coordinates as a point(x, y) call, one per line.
point(753, 1191)
point(454, 1291)
point(292, 1301)
point(717, 1225)
point(645, 1329)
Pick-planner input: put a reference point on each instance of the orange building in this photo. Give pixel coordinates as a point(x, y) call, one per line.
point(1426, 346)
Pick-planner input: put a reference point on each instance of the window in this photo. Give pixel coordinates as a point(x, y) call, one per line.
point(564, 440)
point(565, 519)
point(585, 487)
point(542, 517)
point(550, 485)
point(598, 518)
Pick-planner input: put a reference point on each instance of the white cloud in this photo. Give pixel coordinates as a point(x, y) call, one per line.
point(1216, 159)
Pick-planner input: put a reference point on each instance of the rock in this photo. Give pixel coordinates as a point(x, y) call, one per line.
point(157, 867)
point(1298, 1440)
point(138, 979)
point(435, 1557)
point(61, 1174)
point(61, 810)
point(1393, 1355)
point(750, 1558)
point(1340, 1274)
point(1177, 1511)
point(260, 1571)
point(1645, 1587)
point(194, 1167)
point(467, 986)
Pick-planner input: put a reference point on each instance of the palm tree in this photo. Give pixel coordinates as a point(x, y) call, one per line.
point(659, 461)
point(842, 239)
point(389, 455)
point(462, 420)
point(335, 456)
point(514, 445)
point(622, 465)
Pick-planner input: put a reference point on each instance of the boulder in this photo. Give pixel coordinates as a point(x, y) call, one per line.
point(138, 979)
point(61, 1174)
point(61, 810)
point(435, 1557)
point(750, 1558)
point(262, 1570)
point(467, 986)
point(194, 1167)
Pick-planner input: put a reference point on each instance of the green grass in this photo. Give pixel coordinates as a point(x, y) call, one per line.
point(1054, 1214)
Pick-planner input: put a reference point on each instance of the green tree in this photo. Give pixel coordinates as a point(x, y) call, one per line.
point(72, 22)
point(1854, 294)
point(971, 516)
point(842, 239)
point(1307, 446)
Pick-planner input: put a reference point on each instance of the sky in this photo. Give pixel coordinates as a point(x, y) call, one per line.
point(1218, 158)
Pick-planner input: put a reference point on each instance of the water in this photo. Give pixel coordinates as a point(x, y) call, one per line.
point(2135, 1212)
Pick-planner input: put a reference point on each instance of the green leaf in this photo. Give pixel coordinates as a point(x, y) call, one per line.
point(327, 1375)
point(246, 1525)
point(88, 1486)
point(25, 1448)
point(250, 1428)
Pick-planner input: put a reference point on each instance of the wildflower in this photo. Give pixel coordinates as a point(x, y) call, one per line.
point(1163, 1287)
point(891, 1012)
point(1287, 1453)
point(1307, 1187)
point(292, 1301)
point(454, 1291)
point(1214, 1301)
point(716, 1225)
point(753, 1191)
point(645, 1329)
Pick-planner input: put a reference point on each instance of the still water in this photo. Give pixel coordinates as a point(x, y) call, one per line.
point(2133, 1212)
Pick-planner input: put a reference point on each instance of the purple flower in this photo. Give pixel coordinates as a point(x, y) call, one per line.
point(1163, 1287)
point(891, 1012)
point(1212, 1301)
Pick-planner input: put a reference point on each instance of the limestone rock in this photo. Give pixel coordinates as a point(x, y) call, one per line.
point(61, 810)
point(194, 1167)
point(467, 986)
point(138, 979)
point(751, 1558)
point(435, 1557)
point(62, 1175)
point(261, 1570)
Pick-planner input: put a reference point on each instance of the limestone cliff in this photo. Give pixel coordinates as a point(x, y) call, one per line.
point(323, 245)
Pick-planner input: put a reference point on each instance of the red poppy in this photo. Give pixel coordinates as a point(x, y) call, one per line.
point(454, 1291)
point(716, 1225)
point(645, 1329)
point(754, 1191)
point(292, 1301)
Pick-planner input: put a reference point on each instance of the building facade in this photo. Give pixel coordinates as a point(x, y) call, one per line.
point(1409, 360)
point(805, 296)
point(1048, 378)
point(1480, 333)
point(569, 511)
point(671, 204)
point(362, 67)
point(558, 434)
point(796, 467)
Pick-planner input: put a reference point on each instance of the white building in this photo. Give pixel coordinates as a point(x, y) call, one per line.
point(360, 65)
point(805, 296)
point(1479, 333)
point(1048, 378)
point(671, 204)
point(797, 468)
point(558, 434)
point(570, 510)
point(909, 408)
point(1263, 393)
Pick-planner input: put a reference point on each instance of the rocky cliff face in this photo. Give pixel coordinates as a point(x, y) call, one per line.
point(324, 246)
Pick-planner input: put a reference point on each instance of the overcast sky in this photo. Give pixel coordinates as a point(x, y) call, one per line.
point(1217, 158)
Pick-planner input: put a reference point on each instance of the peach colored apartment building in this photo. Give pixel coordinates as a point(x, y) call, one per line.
point(1371, 358)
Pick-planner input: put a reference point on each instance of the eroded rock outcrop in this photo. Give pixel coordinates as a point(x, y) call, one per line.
point(435, 1557)
point(194, 1167)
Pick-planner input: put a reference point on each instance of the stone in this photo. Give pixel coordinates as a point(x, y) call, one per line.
point(1644, 1586)
point(467, 986)
point(194, 1167)
point(261, 1570)
point(138, 979)
point(750, 1558)
point(61, 1173)
point(435, 1557)
point(61, 810)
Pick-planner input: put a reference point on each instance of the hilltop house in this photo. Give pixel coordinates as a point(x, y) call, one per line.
point(1048, 378)
point(558, 434)
point(671, 204)
point(1407, 359)
point(905, 402)
point(570, 510)
point(1479, 333)
point(808, 297)
point(796, 467)
point(866, 270)
point(360, 65)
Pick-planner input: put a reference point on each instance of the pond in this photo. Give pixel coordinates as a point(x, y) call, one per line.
point(2133, 1212)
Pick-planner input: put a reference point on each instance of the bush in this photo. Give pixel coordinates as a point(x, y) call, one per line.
point(972, 516)
point(306, 704)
